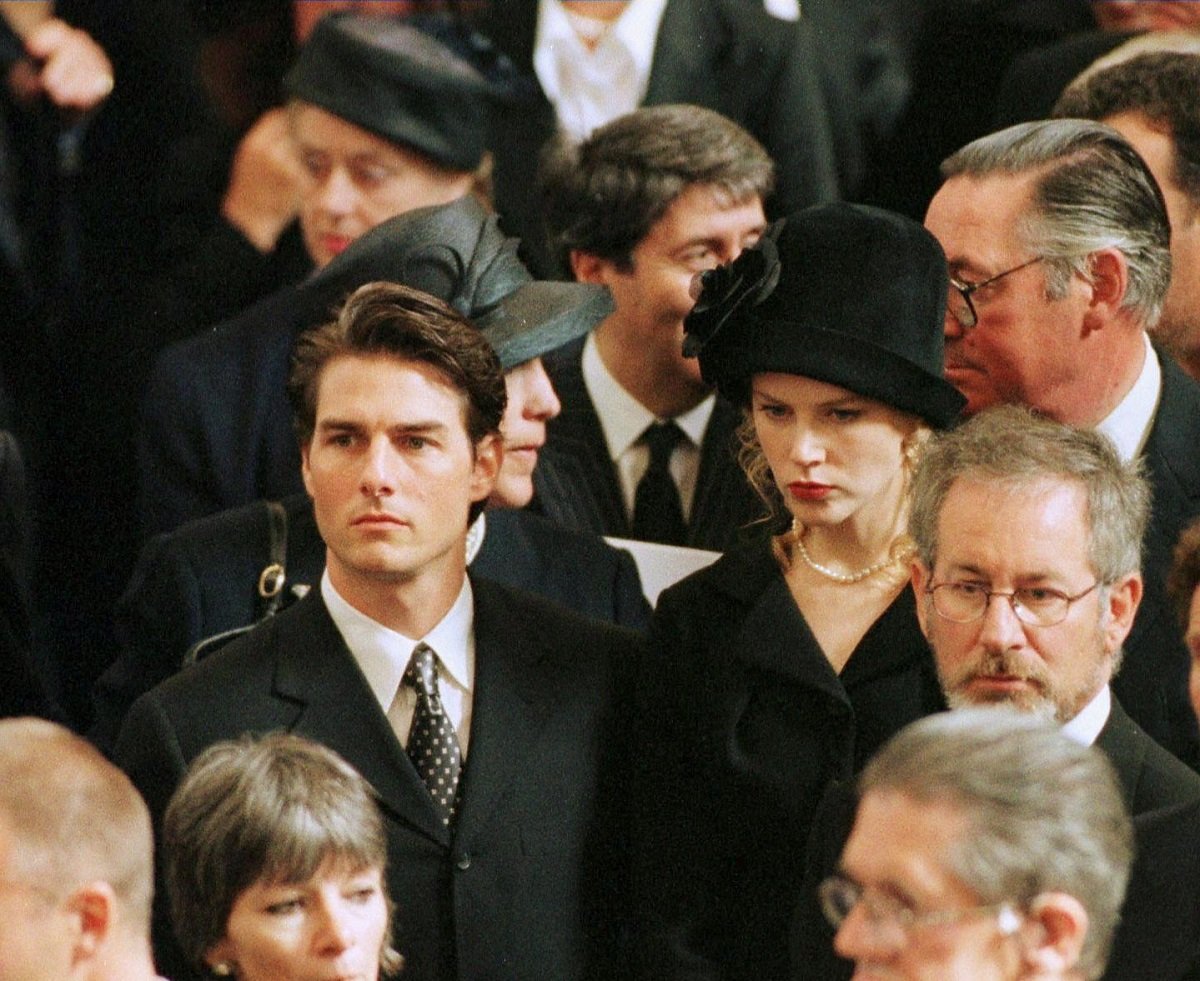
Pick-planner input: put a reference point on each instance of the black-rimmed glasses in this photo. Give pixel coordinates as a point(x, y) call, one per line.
point(959, 301)
point(1037, 606)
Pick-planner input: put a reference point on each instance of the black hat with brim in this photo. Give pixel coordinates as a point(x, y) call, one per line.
point(401, 82)
point(843, 293)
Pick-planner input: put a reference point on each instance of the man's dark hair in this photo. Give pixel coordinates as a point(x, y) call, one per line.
point(1164, 87)
point(1185, 571)
point(602, 196)
point(393, 321)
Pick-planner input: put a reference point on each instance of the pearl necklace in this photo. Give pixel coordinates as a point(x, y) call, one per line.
point(839, 577)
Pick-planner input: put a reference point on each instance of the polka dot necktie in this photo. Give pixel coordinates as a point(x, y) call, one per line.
point(432, 741)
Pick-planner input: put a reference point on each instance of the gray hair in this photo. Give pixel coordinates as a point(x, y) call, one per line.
point(75, 818)
point(1012, 445)
point(602, 196)
point(274, 808)
point(1044, 814)
point(1092, 192)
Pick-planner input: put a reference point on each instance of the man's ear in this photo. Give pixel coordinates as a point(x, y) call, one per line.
point(1053, 933)
point(489, 457)
point(921, 577)
point(588, 267)
point(1109, 281)
point(1123, 598)
point(92, 909)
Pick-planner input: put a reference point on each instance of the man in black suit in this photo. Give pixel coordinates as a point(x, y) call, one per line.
point(986, 844)
point(1058, 243)
point(587, 63)
point(505, 858)
point(643, 206)
point(1028, 536)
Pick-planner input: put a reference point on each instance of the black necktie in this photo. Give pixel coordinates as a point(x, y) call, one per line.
point(432, 741)
point(657, 511)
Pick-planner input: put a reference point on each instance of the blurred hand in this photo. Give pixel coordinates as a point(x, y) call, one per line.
point(73, 71)
point(263, 193)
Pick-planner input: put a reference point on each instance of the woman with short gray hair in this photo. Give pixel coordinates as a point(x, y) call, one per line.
point(274, 854)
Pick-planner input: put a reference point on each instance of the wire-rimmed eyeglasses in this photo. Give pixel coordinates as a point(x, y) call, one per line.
point(840, 895)
point(959, 301)
point(1037, 606)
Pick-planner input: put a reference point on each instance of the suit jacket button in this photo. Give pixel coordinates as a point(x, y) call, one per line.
point(463, 862)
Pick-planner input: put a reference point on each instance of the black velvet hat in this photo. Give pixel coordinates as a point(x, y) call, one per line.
point(844, 293)
point(457, 253)
point(424, 82)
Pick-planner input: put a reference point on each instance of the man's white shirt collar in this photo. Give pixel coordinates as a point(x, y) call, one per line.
point(383, 654)
point(1128, 425)
point(1085, 727)
point(622, 417)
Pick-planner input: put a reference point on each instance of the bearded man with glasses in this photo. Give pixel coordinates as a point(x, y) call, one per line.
point(1058, 243)
point(1028, 537)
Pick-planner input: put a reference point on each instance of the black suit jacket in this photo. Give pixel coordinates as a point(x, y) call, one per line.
point(1157, 938)
point(529, 884)
point(1152, 682)
point(580, 489)
point(727, 55)
point(216, 428)
point(202, 579)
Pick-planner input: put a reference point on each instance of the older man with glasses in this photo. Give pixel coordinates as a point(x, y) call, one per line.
point(1028, 537)
point(1059, 248)
point(986, 844)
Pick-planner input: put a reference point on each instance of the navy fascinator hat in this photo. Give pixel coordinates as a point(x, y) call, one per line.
point(843, 293)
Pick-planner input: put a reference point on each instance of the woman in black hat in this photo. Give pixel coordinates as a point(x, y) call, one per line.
point(785, 665)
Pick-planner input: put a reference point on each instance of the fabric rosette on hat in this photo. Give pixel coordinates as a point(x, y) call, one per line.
point(843, 293)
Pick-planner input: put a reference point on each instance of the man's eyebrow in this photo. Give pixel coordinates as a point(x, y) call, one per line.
point(415, 425)
point(1035, 576)
point(958, 266)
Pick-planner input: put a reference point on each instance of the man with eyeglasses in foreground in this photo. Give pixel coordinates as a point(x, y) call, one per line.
point(1028, 536)
point(1059, 249)
point(986, 845)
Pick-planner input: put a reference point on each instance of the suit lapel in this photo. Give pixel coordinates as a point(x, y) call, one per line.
point(1172, 465)
point(577, 434)
point(678, 72)
point(514, 693)
point(1126, 753)
point(724, 500)
point(773, 629)
point(336, 707)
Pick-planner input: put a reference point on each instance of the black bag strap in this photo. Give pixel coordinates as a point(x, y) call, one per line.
point(274, 575)
point(270, 589)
